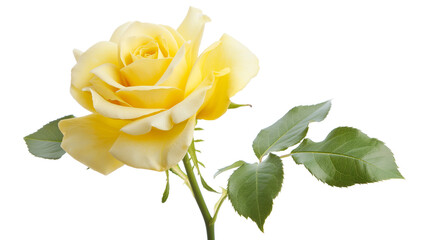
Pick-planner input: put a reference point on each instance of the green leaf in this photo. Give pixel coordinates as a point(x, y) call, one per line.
point(46, 142)
point(252, 188)
point(346, 157)
point(235, 105)
point(219, 204)
point(202, 164)
point(206, 186)
point(232, 166)
point(167, 188)
point(290, 129)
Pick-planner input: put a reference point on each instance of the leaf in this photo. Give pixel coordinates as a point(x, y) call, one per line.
point(347, 157)
point(252, 188)
point(235, 105)
point(167, 188)
point(219, 204)
point(232, 166)
point(206, 186)
point(46, 142)
point(290, 129)
point(202, 164)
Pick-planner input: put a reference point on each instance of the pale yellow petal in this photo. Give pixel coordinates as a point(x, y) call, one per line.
point(113, 110)
point(167, 119)
point(77, 53)
point(99, 54)
point(192, 29)
point(84, 98)
point(157, 150)
point(199, 73)
point(88, 139)
point(128, 47)
point(151, 96)
point(145, 72)
point(229, 54)
point(117, 34)
point(179, 39)
point(217, 101)
point(151, 30)
point(177, 72)
point(244, 65)
point(107, 92)
point(162, 47)
point(110, 74)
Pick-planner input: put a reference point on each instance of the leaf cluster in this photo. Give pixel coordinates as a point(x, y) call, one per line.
point(346, 157)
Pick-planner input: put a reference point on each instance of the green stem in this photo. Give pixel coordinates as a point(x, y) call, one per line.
point(286, 155)
point(199, 199)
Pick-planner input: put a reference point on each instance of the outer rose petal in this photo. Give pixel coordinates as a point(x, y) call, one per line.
point(176, 35)
point(217, 99)
point(77, 53)
point(112, 110)
point(117, 34)
point(227, 54)
point(107, 92)
point(100, 53)
point(192, 29)
point(110, 74)
point(167, 119)
point(157, 150)
point(88, 140)
point(83, 98)
point(151, 96)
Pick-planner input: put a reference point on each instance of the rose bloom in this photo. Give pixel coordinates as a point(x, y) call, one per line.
point(145, 88)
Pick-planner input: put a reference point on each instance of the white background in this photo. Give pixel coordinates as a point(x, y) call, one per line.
point(370, 56)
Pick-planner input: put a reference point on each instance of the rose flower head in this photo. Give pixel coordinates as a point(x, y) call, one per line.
point(146, 87)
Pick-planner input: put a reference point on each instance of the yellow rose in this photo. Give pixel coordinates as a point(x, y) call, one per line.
point(145, 88)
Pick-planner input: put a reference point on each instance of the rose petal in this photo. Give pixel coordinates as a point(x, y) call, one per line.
point(88, 139)
point(197, 74)
point(151, 96)
point(157, 150)
point(151, 30)
point(165, 120)
point(110, 74)
point(83, 98)
point(128, 45)
point(107, 92)
point(116, 111)
point(217, 100)
point(228, 53)
point(117, 34)
point(192, 29)
point(145, 72)
point(77, 53)
point(179, 39)
point(100, 53)
point(178, 70)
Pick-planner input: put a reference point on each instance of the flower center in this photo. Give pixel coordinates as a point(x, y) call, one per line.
point(148, 50)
